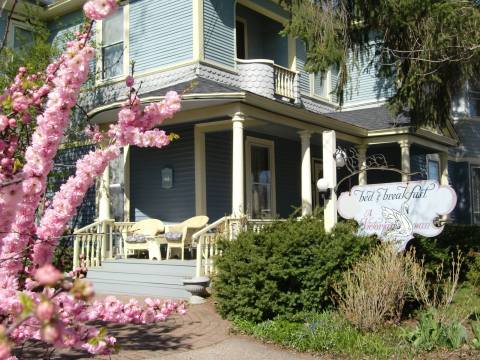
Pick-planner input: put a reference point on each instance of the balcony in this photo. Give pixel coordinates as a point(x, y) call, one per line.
point(265, 78)
point(263, 56)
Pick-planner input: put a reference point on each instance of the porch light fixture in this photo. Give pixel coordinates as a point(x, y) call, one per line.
point(322, 185)
point(167, 177)
point(340, 158)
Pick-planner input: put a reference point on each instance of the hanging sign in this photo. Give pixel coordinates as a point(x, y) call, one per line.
point(396, 211)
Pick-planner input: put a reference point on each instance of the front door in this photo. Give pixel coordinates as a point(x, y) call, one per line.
point(260, 178)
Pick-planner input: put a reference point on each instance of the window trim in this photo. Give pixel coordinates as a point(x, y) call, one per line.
point(316, 196)
point(429, 160)
point(245, 43)
point(328, 90)
point(11, 31)
point(270, 145)
point(474, 211)
point(99, 80)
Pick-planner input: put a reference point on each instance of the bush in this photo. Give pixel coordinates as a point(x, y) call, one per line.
point(438, 250)
point(473, 272)
point(288, 268)
point(63, 254)
point(376, 288)
point(328, 332)
point(433, 333)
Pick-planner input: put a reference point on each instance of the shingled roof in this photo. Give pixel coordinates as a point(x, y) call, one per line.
point(374, 118)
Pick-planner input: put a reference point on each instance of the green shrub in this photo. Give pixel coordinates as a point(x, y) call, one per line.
point(476, 335)
point(63, 254)
point(286, 269)
point(433, 332)
point(328, 332)
point(435, 251)
point(473, 272)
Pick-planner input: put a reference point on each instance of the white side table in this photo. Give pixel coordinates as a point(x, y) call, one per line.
point(154, 247)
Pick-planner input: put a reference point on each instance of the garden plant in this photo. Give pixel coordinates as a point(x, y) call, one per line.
point(37, 302)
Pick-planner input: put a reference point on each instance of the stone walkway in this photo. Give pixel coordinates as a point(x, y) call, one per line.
point(200, 334)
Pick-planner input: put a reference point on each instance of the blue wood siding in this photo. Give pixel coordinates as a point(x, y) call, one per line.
point(161, 32)
point(148, 199)
point(66, 24)
point(363, 85)
point(218, 164)
point(218, 31)
point(218, 149)
point(304, 81)
point(287, 176)
point(3, 23)
point(263, 39)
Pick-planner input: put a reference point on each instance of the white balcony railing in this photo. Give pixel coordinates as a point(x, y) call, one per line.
point(284, 81)
point(264, 77)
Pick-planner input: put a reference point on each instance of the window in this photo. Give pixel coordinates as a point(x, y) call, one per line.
point(260, 178)
point(320, 87)
point(433, 170)
point(241, 37)
point(476, 194)
point(112, 45)
point(21, 37)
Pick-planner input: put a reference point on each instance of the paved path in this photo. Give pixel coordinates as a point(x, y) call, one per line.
point(200, 334)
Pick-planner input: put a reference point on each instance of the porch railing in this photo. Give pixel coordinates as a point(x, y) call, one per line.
point(284, 81)
point(207, 239)
point(95, 242)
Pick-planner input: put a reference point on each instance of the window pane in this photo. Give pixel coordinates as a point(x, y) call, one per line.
point(112, 60)
point(112, 28)
point(240, 34)
point(260, 165)
point(320, 84)
point(21, 37)
point(433, 170)
point(476, 194)
point(261, 182)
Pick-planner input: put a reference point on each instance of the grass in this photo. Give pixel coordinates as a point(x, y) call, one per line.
point(329, 332)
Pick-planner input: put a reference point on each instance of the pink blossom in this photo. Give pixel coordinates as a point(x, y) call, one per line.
point(19, 102)
point(99, 9)
point(129, 81)
point(51, 332)
point(45, 310)
point(48, 275)
point(3, 122)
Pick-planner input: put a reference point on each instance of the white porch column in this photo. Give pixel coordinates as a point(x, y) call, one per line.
point(405, 159)
point(362, 164)
point(306, 173)
point(330, 175)
point(444, 168)
point(104, 196)
point(238, 166)
point(126, 185)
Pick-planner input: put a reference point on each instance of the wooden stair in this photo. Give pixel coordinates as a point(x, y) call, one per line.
point(136, 277)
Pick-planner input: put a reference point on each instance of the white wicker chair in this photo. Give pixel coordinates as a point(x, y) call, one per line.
point(151, 230)
point(187, 229)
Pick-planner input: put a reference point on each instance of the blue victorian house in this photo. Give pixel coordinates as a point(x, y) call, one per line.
point(252, 118)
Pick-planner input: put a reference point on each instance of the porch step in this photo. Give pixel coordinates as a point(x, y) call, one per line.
point(136, 277)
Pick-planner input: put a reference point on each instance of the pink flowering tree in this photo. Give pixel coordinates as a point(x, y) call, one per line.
point(36, 300)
